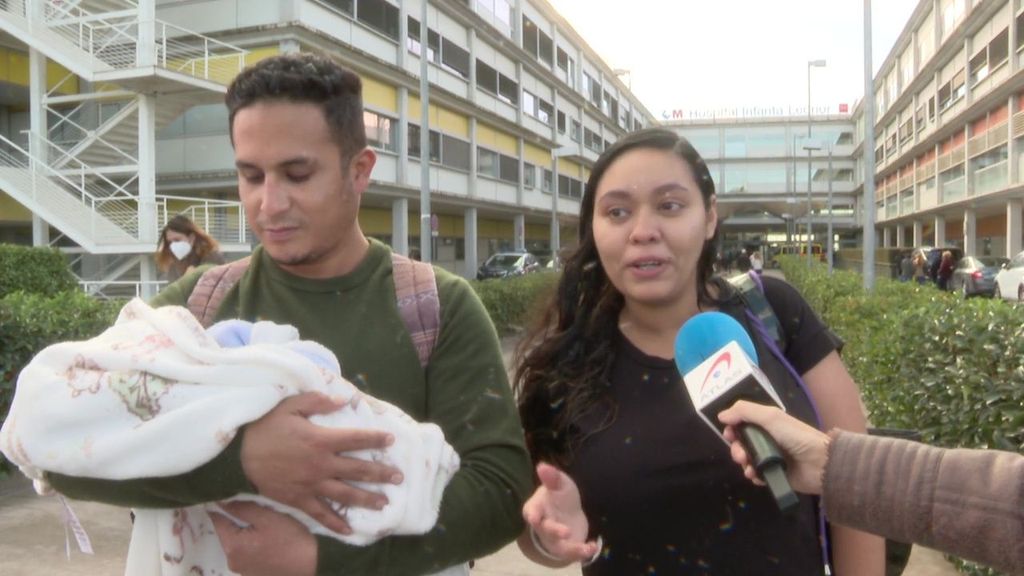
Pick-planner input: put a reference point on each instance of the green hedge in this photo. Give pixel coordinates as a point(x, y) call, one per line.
point(35, 270)
point(513, 303)
point(927, 360)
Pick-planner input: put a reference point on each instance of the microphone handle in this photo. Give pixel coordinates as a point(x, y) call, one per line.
point(766, 458)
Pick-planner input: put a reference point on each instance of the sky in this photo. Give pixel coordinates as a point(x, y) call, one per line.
point(698, 55)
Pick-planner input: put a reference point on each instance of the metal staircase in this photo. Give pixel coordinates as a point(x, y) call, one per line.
point(84, 175)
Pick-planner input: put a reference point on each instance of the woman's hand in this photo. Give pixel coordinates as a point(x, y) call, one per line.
point(805, 448)
point(555, 516)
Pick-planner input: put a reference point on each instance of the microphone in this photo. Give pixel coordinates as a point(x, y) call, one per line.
point(718, 362)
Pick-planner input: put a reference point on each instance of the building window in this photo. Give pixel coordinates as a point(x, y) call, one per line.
point(486, 162)
point(547, 181)
point(919, 118)
point(501, 9)
point(346, 6)
point(490, 80)
point(592, 89)
point(440, 50)
point(537, 43)
point(455, 152)
point(529, 175)
point(380, 16)
point(574, 133)
point(561, 122)
point(414, 143)
point(381, 131)
point(592, 140)
point(508, 168)
point(569, 187)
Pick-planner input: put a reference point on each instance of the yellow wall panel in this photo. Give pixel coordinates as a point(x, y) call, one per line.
point(569, 168)
point(14, 69)
point(537, 155)
point(441, 119)
point(495, 140)
point(12, 211)
point(256, 54)
point(380, 95)
point(375, 221)
point(538, 232)
point(450, 122)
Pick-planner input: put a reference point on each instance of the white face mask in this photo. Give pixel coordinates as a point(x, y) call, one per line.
point(180, 249)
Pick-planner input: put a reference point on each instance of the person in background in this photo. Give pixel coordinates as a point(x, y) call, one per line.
point(183, 246)
point(906, 267)
point(756, 264)
point(969, 503)
point(631, 479)
point(945, 270)
point(920, 263)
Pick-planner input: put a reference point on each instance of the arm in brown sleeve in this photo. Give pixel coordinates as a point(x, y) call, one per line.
point(969, 503)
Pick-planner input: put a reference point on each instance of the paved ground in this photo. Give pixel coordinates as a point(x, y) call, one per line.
point(33, 540)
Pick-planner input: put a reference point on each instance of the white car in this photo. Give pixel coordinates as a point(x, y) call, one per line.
point(1010, 280)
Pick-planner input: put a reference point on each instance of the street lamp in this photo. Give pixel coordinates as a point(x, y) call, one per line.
point(810, 146)
point(810, 64)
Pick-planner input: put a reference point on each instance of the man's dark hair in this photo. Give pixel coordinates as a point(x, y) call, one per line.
point(301, 78)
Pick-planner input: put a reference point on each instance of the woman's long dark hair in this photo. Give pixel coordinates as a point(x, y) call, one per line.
point(563, 363)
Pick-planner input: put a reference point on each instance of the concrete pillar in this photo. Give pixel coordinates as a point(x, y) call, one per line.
point(473, 166)
point(470, 241)
point(940, 231)
point(400, 226)
point(970, 232)
point(402, 142)
point(901, 240)
point(918, 233)
point(1013, 175)
point(1013, 226)
point(148, 226)
point(886, 237)
point(146, 52)
point(519, 232)
point(968, 165)
point(37, 132)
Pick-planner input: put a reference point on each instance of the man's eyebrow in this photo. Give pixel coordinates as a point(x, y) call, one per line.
point(300, 161)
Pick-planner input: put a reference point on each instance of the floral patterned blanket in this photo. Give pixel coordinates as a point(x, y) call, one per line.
point(157, 395)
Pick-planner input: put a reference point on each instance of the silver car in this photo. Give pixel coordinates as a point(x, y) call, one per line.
point(976, 275)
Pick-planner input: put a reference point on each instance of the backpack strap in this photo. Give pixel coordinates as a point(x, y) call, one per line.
point(751, 291)
point(415, 291)
point(213, 287)
point(418, 303)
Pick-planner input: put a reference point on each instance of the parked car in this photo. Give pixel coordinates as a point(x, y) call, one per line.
point(506, 264)
point(1010, 280)
point(976, 275)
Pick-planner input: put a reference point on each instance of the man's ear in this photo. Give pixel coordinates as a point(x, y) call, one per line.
point(361, 167)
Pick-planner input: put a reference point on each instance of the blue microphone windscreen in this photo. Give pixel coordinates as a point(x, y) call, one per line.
point(706, 333)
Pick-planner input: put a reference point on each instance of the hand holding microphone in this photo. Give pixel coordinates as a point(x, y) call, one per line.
point(805, 448)
point(718, 362)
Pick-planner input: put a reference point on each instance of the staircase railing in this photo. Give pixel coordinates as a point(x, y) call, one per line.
point(224, 220)
point(94, 191)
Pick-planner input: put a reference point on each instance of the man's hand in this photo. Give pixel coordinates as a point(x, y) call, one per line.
point(295, 462)
point(805, 448)
point(555, 514)
point(273, 544)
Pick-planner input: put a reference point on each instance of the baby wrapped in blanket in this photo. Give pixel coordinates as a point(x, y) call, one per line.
point(157, 395)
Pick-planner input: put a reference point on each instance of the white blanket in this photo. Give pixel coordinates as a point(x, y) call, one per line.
point(156, 395)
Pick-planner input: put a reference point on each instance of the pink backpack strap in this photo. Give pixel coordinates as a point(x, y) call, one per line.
point(213, 287)
point(418, 303)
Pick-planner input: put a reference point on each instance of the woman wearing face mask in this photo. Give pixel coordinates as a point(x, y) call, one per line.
point(183, 246)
